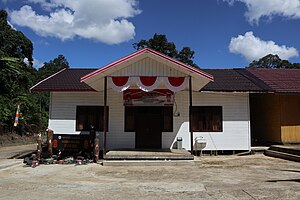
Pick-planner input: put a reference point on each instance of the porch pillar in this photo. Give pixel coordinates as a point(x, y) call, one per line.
point(190, 115)
point(105, 117)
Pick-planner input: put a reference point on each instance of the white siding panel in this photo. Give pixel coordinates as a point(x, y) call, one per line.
point(63, 116)
point(148, 67)
point(236, 120)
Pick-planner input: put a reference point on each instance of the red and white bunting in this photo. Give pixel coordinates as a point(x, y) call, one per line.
point(119, 83)
point(175, 84)
point(147, 83)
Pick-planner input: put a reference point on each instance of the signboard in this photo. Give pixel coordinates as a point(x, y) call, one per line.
point(158, 97)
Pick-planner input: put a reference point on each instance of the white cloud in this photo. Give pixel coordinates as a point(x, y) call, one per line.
point(100, 20)
point(256, 9)
point(253, 48)
point(35, 63)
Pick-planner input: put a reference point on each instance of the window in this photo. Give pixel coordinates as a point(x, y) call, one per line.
point(167, 119)
point(166, 114)
point(129, 119)
point(87, 116)
point(207, 119)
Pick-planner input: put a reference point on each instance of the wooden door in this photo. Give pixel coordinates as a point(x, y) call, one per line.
point(148, 121)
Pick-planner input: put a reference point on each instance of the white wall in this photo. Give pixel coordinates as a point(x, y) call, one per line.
point(63, 116)
point(236, 120)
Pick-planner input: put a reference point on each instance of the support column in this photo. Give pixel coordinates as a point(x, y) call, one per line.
point(190, 115)
point(105, 117)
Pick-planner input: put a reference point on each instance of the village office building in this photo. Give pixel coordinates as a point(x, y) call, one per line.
point(152, 100)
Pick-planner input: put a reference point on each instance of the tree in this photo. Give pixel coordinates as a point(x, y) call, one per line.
point(53, 66)
point(161, 44)
point(13, 43)
point(273, 61)
point(16, 78)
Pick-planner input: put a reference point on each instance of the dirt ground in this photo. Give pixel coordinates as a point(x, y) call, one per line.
point(12, 139)
point(214, 177)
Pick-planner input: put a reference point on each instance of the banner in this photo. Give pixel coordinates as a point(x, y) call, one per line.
point(158, 97)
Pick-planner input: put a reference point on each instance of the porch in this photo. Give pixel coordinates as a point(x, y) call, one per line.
point(148, 154)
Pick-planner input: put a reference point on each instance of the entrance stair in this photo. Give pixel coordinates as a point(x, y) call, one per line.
point(148, 157)
point(287, 152)
point(149, 154)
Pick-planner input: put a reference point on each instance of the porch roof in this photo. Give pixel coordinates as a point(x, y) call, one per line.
point(95, 79)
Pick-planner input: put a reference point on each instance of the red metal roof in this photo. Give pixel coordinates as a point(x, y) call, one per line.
point(225, 80)
point(280, 80)
point(231, 80)
point(66, 80)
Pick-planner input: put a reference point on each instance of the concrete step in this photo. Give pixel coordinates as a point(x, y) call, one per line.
point(154, 155)
point(290, 149)
point(149, 163)
point(259, 149)
point(144, 157)
point(283, 155)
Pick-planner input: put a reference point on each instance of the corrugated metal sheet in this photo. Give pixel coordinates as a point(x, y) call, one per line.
point(280, 80)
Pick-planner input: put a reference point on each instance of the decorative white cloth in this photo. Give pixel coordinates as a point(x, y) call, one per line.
point(147, 83)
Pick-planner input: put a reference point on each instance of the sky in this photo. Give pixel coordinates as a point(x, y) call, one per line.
point(94, 33)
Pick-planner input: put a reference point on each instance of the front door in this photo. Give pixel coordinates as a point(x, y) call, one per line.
point(148, 122)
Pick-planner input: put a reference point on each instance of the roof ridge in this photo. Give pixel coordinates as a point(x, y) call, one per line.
point(254, 79)
point(47, 78)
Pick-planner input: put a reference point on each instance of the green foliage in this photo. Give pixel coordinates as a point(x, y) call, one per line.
point(161, 44)
point(186, 55)
point(273, 61)
point(53, 66)
point(16, 78)
point(13, 43)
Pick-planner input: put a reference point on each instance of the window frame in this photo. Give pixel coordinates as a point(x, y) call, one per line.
point(211, 116)
point(84, 111)
point(167, 112)
point(129, 126)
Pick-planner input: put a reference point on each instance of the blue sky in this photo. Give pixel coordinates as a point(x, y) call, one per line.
point(223, 33)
